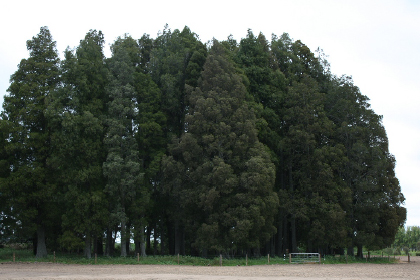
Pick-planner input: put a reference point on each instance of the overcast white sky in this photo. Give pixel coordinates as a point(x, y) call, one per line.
point(375, 41)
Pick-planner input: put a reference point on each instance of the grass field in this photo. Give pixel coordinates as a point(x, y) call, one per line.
point(26, 255)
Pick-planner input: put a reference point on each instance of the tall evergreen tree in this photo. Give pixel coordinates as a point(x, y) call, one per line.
point(295, 60)
point(369, 169)
point(122, 167)
point(224, 172)
point(152, 144)
point(145, 44)
point(267, 86)
point(29, 179)
point(81, 104)
point(5, 207)
point(176, 60)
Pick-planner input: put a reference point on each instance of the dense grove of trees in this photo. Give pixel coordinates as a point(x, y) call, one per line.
point(408, 238)
point(192, 148)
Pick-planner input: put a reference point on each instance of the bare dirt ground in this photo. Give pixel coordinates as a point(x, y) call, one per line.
point(38, 271)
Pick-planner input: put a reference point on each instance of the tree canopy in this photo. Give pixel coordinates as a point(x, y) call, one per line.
point(193, 148)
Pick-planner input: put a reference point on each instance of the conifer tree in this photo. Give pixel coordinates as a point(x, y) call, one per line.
point(81, 104)
point(152, 143)
point(29, 180)
point(224, 171)
point(267, 86)
point(176, 60)
point(261, 137)
point(368, 171)
point(122, 165)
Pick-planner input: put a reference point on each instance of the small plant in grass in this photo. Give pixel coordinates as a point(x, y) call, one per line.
point(388, 251)
point(70, 242)
point(397, 252)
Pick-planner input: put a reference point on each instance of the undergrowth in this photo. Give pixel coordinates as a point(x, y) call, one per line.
point(25, 255)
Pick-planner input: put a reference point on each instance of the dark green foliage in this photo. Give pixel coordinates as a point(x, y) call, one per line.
point(122, 167)
point(28, 182)
point(408, 237)
point(251, 147)
point(80, 105)
point(369, 168)
point(177, 59)
point(314, 194)
point(223, 171)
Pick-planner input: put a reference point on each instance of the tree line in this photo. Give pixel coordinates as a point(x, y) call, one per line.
point(193, 148)
point(407, 238)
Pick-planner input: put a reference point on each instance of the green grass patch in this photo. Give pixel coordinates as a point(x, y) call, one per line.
point(351, 259)
point(26, 255)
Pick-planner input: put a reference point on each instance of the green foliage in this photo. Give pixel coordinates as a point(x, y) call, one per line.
point(122, 167)
point(375, 194)
point(408, 237)
point(79, 108)
point(251, 147)
point(70, 242)
point(177, 59)
point(341, 259)
point(24, 255)
point(29, 182)
point(228, 173)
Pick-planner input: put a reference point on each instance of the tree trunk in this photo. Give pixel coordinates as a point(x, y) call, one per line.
point(99, 246)
point(148, 243)
point(350, 251)
point(123, 239)
point(109, 244)
point(41, 248)
point(127, 244)
point(114, 237)
point(88, 251)
point(309, 248)
point(95, 245)
point(293, 228)
point(143, 249)
point(279, 243)
point(154, 243)
point(293, 218)
point(204, 253)
point(142, 241)
point(34, 243)
point(182, 241)
point(128, 237)
point(177, 238)
point(162, 242)
point(286, 238)
point(360, 251)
